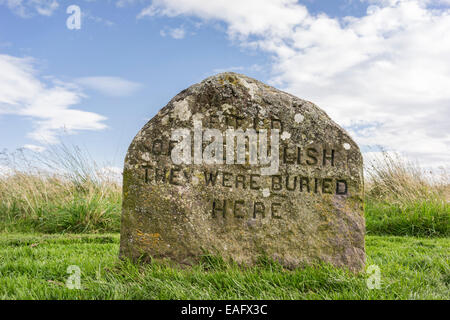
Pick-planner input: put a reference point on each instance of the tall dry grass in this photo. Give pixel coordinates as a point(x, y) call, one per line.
point(397, 180)
point(402, 198)
point(64, 190)
point(61, 190)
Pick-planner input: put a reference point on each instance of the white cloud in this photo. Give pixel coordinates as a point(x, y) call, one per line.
point(87, 15)
point(243, 17)
point(26, 8)
point(176, 33)
point(34, 148)
point(111, 86)
point(49, 106)
point(385, 76)
point(111, 173)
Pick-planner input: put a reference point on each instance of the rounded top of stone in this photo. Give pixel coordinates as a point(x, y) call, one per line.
point(226, 74)
point(234, 78)
point(257, 91)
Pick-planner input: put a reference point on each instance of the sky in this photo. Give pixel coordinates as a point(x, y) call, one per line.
point(379, 68)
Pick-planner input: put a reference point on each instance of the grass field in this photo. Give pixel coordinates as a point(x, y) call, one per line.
point(35, 267)
point(69, 214)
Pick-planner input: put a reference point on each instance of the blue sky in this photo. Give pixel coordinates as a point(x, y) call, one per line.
point(379, 68)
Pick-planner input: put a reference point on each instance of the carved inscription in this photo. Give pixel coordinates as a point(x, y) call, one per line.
point(291, 156)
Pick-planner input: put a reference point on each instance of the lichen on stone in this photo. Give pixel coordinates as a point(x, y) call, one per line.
point(310, 211)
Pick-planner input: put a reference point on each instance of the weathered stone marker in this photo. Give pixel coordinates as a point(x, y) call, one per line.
point(236, 168)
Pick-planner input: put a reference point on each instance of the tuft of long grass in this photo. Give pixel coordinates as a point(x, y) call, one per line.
point(59, 191)
point(404, 199)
